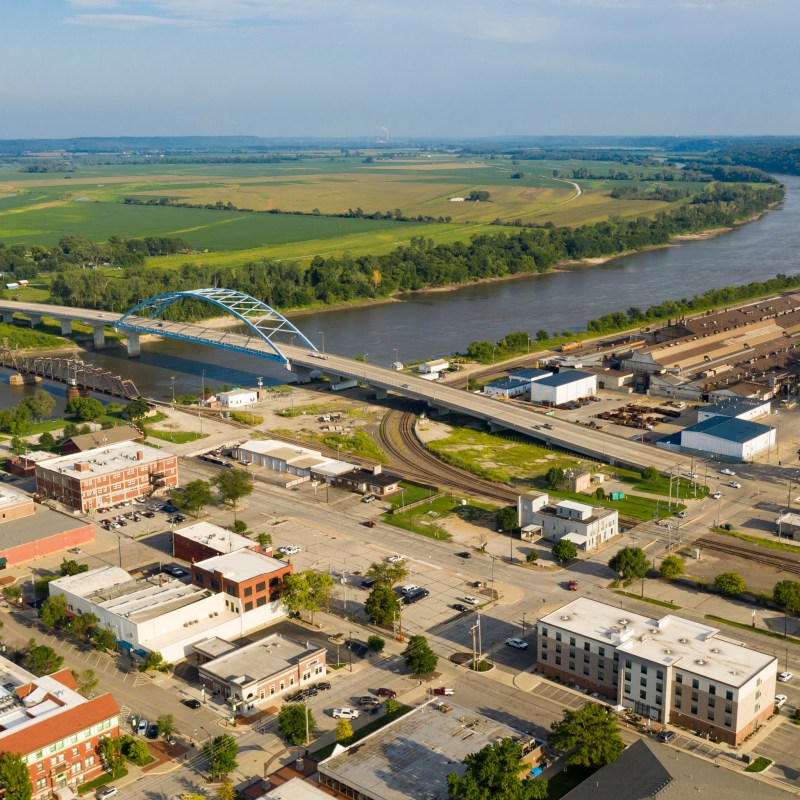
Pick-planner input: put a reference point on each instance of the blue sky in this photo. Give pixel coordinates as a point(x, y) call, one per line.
point(418, 67)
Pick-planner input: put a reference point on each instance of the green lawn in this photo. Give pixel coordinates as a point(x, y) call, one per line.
point(682, 488)
point(423, 519)
point(410, 494)
point(634, 506)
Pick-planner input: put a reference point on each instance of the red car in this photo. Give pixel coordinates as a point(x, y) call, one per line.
point(572, 586)
point(386, 693)
point(443, 690)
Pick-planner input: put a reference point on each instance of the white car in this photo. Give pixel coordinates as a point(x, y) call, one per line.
point(784, 677)
point(473, 601)
point(727, 471)
point(518, 643)
point(396, 559)
point(345, 713)
point(716, 495)
point(735, 485)
point(780, 699)
point(682, 514)
point(290, 550)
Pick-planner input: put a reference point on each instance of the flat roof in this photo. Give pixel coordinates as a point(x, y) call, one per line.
point(242, 565)
point(333, 468)
point(12, 497)
point(211, 535)
point(44, 522)
point(731, 429)
point(411, 757)
point(565, 377)
point(237, 392)
point(529, 373)
point(734, 406)
point(297, 789)
point(512, 382)
point(213, 647)
point(270, 446)
point(258, 660)
point(85, 584)
point(102, 460)
point(669, 641)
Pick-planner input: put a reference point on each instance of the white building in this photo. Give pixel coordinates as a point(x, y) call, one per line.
point(735, 408)
point(238, 398)
point(669, 669)
point(438, 365)
point(563, 387)
point(585, 526)
point(508, 387)
point(728, 438)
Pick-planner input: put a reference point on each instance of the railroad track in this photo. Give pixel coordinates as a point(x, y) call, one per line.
point(780, 563)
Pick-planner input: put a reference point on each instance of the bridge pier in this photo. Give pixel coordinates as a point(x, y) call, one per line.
point(66, 327)
point(304, 374)
point(438, 410)
point(134, 345)
point(8, 317)
point(381, 394)
point(99, 336)
point(36, 319)
point(495, 427)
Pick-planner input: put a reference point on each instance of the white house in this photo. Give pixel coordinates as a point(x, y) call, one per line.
point(238, 398)
point(563, 387)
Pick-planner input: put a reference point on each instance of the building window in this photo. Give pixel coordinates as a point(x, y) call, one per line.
point(586, 657)
point(695, 696)
point(642, 681)
point(659, 687)
point(710, 714)
point(261, 587)
point(572, 653)
point(729, 695)
point(616, 656)
point(678, 677)
point(572, 641)
point(248, 590)
point(544, 631)
point(712, 689)
point(628, 663)
point(586, 645)
point(248, 606)
point(660, 674)
point(41, 784)
point(543, 656)
point(642, 694)
point(601, 651)
point(758, 694)
point(728, 708)
point(601, 676)
point(40, 767)
point(627, 688)
point(75, 768)
point(572, 666)
point(601, 662)
point(558, 648)
point(558, 636)
point(627, 675)
point(75, 751)
point(199, 578)
point(695, 683)
point(214, 584)
point(659, 700)
point(711, 702)
point(694, 709)
point(643, 668)
point(728, 722)
point(586, 670)
point(544, 644)
point(558, 660)
point(677, 702)
point(262, 601)
point(88, 746)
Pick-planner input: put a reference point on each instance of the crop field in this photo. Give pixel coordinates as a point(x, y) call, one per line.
point(40, 208)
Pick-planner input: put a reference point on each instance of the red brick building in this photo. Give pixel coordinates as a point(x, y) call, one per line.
point(53, 728)
point(105, 476)
point(205, 540)
point(248, 579)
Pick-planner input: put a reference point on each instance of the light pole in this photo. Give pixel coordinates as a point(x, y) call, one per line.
point(396, 356)
point(172, 378)
point(322, 334)
point(523, 624)
point(202, 397)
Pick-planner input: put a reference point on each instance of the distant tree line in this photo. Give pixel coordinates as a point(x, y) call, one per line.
point(421, 264)
point(665, 194)
point(780, 158)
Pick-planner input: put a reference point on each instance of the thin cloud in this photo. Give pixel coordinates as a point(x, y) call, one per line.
point(122, 21)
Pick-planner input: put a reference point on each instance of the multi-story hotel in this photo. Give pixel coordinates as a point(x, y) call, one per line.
point(668, 670)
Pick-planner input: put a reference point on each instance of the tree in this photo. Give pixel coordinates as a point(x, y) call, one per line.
point(591, 734)
point(47, 441)
point(104, 639)
point(532, 557)
point(375, 643)
point(294, 593)
point(671, 568)
point(564, 550)
point(53, 612)
point(85, 409)
point(238, 526)
point(382, 605)
point(730, 583)
point(554, 477)
point(136, 409)
point(392, 707)
point(600, 493)
point(387, 574)
point(136, 750)
point(786, 594)
point(649, 474)
point(111, 753)
point(193, 497)
point(221, 751)
point(542, 335)
point(507, 519)
point(41, 659)
point(292, 723)
point(494, 772)
point(154, 661)
point(15, 777)
point(420, 659)
point(166, 725)
point(344, 731)
point(226, 791)
point(87, 681)
point(72, 567)
point(264, 540)
point(306, 591)
point(70, 429)
point(233, 485)
point(630, 563)
point(41, 404)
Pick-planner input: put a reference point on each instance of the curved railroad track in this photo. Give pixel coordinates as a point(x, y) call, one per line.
point(756, 554)
point(416, 462)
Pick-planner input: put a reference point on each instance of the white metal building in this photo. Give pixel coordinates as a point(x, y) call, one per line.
point(507, 387)
point(729, 438)
point(438, 365)
point(563, 387)
point(735, 408)
point(238, 398)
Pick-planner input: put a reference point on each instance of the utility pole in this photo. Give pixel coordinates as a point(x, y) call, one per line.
point(350, 648)
point(480, 643)
point(472, 631)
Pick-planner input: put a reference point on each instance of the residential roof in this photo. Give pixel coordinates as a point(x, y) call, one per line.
point(220, 539)
point(242, 565)
point(669, 641)
point(566, 376)
point(101, 438)
point(734, 406)
point(412, 756)
point(258, 660)
point(41, 524)
point(669, 774)
point(102, 460)
point(731, 429)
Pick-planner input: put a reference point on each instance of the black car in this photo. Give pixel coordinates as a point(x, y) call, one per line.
point(168, 509)
point(413, 597)
point(667, 736)
point(459, 607)
point(148, 514)
point(322, 686)
point(152, 731)
point(464, 554)
point(192, 703)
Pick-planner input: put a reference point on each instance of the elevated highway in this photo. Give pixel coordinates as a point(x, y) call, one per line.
point(303, 362)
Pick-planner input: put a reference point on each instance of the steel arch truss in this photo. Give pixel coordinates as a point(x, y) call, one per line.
point(263, 321)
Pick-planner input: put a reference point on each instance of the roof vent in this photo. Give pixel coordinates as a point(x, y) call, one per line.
point(623, 622)
point(668, 652)
point(700, 662)
point(683, 640)
point(653, 630)
point(565, 616)
point(715, 649)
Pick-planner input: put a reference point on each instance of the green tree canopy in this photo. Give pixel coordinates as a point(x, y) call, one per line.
point(41, 659)
point(630, 562)
point(85, 409)
point(111, 751)
point(419, 657)
point(649, 474)
point(47, 441)
point(730, 583)
point(221, 751)
point(136, 409)
point(292, 723)
point(564, 550)
point(72, 567)
point(786, 594)
point(233, 485)
point(382, 605)
point(166, 725)
point(671, 568)
point(156, 662)
point(193, 497)
point(87, 681)
point(53, 612)
point(591, 734)
point(507, 519)
point(41, 404)
point(306, 591)
point(554, 477)
point(493, 773)
point(388, 574)
point(15, 777)
point(344, 731)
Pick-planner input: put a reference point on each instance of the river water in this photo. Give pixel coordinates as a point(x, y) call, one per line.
point(428, 324)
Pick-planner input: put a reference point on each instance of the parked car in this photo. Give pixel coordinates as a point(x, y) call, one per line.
point(368, 498)
point(464, 554)
point(444, 691)
point(396, 559)
point(323, 685)
point(177, 572)
point(667, 736)
point(785, 677)
point(780, 699)
point(548, 426)
point(517, 643)
point(192, 703)
point(76, 550)
point(367, 583)
point(682, 514)
point(368, 702)
point(152, 731)
point(460, 607)
point(716, 495)
point(369, 523)
point(290, 549)
point(735, 485)
point(473, 601)
point(413, 597)
point(104, 792)
point(727, 471)
point(383, 692)
point(142, 726)
point(572, 586)
point(345, 713)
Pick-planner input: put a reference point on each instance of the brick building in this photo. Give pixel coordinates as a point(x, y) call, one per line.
point(249, 580)
point(105, 476)
point(53, 728)
point(205, 540)
point(668, 670)
point(102, 438)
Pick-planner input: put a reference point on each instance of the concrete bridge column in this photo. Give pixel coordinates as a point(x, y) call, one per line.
point(438, 410)
point(303, 373)
point(494, 427)
point(134, 345)
point(99, 336)
point(381, 394)
point(36, 319)
point(8, 317)
point(66, 327)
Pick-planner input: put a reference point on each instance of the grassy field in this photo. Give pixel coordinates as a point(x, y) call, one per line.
point(39, 208)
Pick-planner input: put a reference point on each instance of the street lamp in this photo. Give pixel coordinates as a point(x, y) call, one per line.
point(396, 355)
point(322, 334)
point(172, 378)
point(523, 624)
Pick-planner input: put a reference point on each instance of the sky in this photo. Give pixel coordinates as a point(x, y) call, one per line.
point(418, 67)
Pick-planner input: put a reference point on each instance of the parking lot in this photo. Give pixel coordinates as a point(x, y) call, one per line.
point(780, 747)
